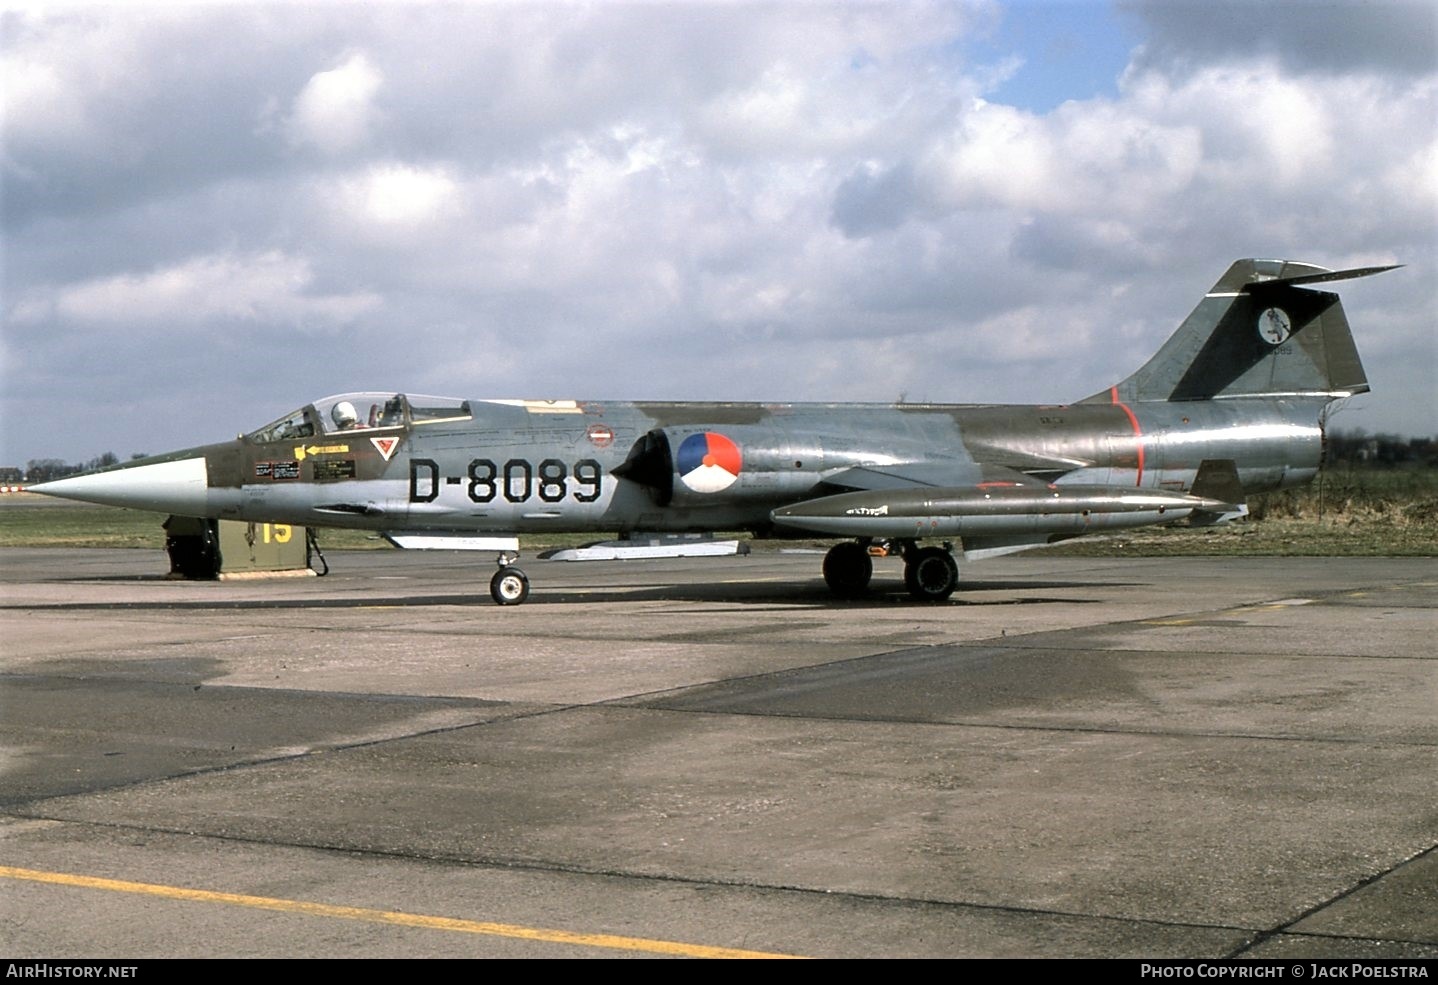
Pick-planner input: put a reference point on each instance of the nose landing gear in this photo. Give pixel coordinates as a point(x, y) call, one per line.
point(510, 585)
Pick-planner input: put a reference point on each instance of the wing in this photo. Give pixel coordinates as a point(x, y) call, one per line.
point(993, 509)
point(946, 475)
point(841, 508)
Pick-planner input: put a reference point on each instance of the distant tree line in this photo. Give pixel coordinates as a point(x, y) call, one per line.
point(45, 469)
point(1361, 449)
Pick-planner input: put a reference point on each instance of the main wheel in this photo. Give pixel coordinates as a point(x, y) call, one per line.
point(847, 569)
point(509, 586)
point(931, 574)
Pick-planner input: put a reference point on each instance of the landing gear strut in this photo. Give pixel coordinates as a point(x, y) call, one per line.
point(509, 586)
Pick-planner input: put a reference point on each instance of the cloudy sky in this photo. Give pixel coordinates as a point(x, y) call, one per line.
point(214, 213)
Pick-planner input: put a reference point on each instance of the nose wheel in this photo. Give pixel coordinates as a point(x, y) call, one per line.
point(509, 586)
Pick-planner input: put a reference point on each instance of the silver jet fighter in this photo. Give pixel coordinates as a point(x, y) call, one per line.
point(1233, 403)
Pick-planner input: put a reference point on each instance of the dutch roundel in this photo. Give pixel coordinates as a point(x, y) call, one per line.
point(708, 462)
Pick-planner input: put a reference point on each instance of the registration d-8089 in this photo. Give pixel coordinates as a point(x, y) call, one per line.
point(518, 480)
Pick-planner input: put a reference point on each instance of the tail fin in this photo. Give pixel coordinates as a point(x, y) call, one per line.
point(1257, 332)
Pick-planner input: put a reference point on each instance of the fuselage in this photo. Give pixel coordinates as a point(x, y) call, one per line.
point(432, 464)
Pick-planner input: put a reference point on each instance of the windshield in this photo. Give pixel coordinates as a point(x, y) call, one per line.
point(296, 424)
point(361, 412)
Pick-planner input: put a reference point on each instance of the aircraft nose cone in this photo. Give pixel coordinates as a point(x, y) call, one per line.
point(177, 486)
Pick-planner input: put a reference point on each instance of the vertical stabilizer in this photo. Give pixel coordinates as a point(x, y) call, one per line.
point(1258, 332)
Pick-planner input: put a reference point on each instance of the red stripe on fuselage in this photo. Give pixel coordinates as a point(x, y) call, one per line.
point(1137, 431)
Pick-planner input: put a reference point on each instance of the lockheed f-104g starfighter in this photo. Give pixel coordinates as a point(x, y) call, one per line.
point(1233, 403)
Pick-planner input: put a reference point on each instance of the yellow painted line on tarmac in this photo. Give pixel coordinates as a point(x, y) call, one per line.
point(1275, 606)
point(674, 948)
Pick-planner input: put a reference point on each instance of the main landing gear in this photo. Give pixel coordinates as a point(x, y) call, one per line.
point(848, 568)
point(509, 586)
point(930, 573)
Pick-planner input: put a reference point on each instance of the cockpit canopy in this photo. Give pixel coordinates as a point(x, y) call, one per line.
point(361, 412)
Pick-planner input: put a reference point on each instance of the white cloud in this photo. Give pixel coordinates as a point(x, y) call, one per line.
point(63, 75)
point(1096, 158)
point(813, 198)
point(37, 97)
point(399, 196)
point(1279, 130)
point(268, 287)
point(335, 111)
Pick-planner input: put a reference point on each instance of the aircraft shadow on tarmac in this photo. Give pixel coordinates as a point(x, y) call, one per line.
point(813, 595)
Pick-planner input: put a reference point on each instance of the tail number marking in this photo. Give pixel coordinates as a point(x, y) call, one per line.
point(518, 480)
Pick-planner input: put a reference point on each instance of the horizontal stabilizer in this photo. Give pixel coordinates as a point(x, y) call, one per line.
point(1323, 277)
